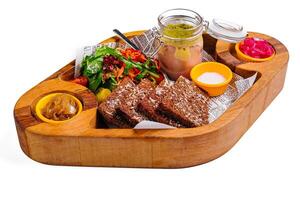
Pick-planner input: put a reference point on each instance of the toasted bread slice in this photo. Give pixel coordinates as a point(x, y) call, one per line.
point(108, 108)
point(186, 103)
point(149, 105)
point(128, 106)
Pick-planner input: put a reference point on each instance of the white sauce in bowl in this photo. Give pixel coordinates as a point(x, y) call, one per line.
point(211, 78)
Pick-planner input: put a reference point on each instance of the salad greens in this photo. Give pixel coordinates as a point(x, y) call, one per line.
point(106, 67)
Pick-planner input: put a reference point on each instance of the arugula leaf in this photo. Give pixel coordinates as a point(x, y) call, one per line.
point(154, 74)
point(131, 64)
point(105, 50)
point(95, 81)
point(141, 75)
point(111, 83)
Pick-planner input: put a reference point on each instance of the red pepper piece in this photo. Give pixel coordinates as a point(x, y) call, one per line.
point(81, 80)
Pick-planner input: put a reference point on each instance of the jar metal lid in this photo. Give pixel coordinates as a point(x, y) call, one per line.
point(225, 30)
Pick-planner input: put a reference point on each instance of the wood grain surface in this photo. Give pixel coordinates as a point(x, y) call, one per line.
point(81, 142)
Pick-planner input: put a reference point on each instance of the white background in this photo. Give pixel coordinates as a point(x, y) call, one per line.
point(38, 37)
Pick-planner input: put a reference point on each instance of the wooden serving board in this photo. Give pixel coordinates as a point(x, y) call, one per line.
point(82, 141)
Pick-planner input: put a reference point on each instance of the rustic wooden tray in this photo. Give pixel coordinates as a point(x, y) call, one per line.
point(82, 142)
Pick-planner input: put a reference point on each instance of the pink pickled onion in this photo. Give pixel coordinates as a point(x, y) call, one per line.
point(256, 48)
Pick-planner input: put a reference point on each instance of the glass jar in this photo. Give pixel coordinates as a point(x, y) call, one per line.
point(181, 34)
